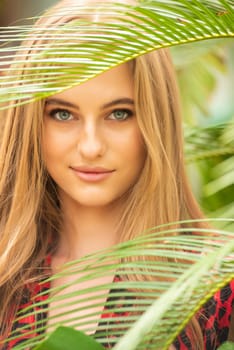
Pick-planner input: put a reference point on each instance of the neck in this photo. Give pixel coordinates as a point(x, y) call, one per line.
point(86, 230)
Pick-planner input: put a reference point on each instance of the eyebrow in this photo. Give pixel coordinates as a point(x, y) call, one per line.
point(58, 101)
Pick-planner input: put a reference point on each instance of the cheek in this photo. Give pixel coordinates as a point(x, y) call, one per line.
point(50, 145)
point(140, 153)
point(132, 151)
point(136, 146)
point(55, 142)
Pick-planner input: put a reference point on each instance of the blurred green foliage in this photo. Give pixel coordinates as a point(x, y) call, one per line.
point(205, 75)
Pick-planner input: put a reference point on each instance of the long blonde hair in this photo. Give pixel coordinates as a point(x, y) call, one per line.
point(29, 205)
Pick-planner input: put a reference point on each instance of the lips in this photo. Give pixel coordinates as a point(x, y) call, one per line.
point(97, 170)
point(92, 174)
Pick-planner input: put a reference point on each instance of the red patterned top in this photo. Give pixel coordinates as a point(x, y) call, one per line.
point(214, 319)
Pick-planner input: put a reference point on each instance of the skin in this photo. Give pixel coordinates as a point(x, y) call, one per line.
point(97, 129)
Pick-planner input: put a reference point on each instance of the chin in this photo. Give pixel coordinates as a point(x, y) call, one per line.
point(93, 201)
point(102, 202)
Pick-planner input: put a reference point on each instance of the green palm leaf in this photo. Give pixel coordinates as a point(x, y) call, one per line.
point(212, 148)
point(209, 141)
point(204, 262)
point(150, 25)
point(187, 270)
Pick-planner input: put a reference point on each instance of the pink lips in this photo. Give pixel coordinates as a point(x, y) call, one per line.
point(92, 174)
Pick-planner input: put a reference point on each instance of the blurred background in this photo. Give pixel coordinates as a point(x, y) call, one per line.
point(205, 74)
point(16, 10)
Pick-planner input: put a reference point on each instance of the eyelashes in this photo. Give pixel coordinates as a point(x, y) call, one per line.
point(120, 114)
point(63, 115)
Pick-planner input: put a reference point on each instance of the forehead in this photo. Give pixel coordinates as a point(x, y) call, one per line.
point(114, 83)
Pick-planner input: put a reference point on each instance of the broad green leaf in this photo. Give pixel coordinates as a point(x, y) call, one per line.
point(65, 338)
point(226, 346)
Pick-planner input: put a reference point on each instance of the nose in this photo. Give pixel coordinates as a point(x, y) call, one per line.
point(91, 144)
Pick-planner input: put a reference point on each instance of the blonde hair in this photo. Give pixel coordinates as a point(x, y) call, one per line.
point(29, 205)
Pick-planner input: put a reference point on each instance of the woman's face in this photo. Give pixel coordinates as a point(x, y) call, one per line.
point(92, 144)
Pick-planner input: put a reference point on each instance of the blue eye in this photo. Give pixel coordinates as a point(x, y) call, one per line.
point(120, 114)
point(61, 114)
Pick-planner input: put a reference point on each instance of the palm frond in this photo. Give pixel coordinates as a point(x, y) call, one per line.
point(211, 150)
point(208, 141)
point(225, 179)
point(61, 60)
point(186, 270)
point(204, 73)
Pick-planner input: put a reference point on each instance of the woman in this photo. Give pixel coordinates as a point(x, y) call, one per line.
point(109, 148)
